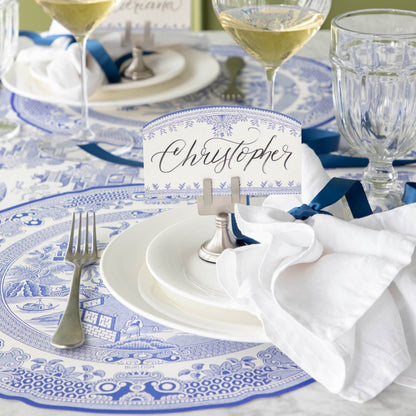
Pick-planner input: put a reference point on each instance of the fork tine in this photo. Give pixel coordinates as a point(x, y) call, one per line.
point(94, 235)
point(71, 235)
point(78, 250)
point(86, 234)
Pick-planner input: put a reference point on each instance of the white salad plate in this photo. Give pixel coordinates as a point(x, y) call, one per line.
point(172, 258)
point(124, 271)
point(200, 70)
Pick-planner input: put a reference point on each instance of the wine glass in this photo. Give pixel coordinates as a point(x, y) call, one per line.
point(9, 33)
point(80, 17)
point(271, 31)
point(373, 57)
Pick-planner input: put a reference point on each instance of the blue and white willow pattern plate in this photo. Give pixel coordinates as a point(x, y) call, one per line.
point(129, 363)
point(303, 85)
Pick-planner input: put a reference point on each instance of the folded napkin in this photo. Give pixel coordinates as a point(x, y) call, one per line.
point(337, 295)
point(55, 68)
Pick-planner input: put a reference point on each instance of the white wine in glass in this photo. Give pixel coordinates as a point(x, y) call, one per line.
point(80, 17)
point(271, 31)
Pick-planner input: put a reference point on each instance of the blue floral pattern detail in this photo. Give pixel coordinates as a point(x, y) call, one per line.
point(128, 363)
point(313, 107)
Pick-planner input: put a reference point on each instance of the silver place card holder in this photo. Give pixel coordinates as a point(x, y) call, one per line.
point(220, 206)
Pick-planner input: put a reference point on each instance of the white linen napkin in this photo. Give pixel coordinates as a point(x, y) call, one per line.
point(56, 68)
point(336, 296)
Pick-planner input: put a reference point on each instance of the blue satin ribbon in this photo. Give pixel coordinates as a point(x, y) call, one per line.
point(123, 58)
point(321, 141)
point(324, 142)
point(97, 151)
point(333, 191)
point(409, 195)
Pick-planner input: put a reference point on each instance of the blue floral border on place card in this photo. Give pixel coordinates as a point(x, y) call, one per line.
point(221, 120)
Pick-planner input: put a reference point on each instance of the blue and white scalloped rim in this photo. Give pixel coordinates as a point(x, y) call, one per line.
point(129, 364)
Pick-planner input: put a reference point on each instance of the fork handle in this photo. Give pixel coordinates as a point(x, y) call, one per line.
point(69, 333)
point(235, 65)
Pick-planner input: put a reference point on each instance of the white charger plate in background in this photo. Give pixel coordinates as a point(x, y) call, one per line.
point(201, 70)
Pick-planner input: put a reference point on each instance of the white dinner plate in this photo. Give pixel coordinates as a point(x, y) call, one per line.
point(122, 264)
point(201, 70)
point(199, 318)
point(165, 64)
point(172, 258)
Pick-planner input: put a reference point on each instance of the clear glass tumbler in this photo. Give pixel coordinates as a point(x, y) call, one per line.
point(373, 58)
point(9, 35)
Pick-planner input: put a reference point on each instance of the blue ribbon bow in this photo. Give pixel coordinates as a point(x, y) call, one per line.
point(333, 191)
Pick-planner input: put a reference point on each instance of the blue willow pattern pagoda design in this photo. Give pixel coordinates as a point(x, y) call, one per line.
point(129, 362)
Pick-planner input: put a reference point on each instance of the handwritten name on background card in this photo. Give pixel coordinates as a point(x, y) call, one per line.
point(163, 14)
point(261, 147)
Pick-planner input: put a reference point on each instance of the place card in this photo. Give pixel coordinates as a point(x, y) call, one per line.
point(261, 147)
point(163, 15)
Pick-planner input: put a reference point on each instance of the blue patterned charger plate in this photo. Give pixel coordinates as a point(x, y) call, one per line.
point(129, 363)
point(303, 87)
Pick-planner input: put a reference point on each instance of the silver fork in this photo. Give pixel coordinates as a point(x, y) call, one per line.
point(234, 64)
point(69, 333)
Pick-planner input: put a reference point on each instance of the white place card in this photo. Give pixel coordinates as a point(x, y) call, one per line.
point(163, 14)
point(261, 147)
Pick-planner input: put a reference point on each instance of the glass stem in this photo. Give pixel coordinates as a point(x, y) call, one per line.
point(271, 84)
point(87, 134)
point(379, 177)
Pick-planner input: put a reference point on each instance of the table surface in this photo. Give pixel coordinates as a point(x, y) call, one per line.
point(310, 400)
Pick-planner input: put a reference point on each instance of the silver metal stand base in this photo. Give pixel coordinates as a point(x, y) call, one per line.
point(212, 249)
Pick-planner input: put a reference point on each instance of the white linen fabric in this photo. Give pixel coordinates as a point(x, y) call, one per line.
point(56, 68)
point(338, 296)
point(43, 69)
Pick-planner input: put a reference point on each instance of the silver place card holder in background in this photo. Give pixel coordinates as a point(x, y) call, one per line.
point(220, 206)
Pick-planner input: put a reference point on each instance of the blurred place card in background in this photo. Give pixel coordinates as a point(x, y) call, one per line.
point(162, 14)
point(261, 147)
